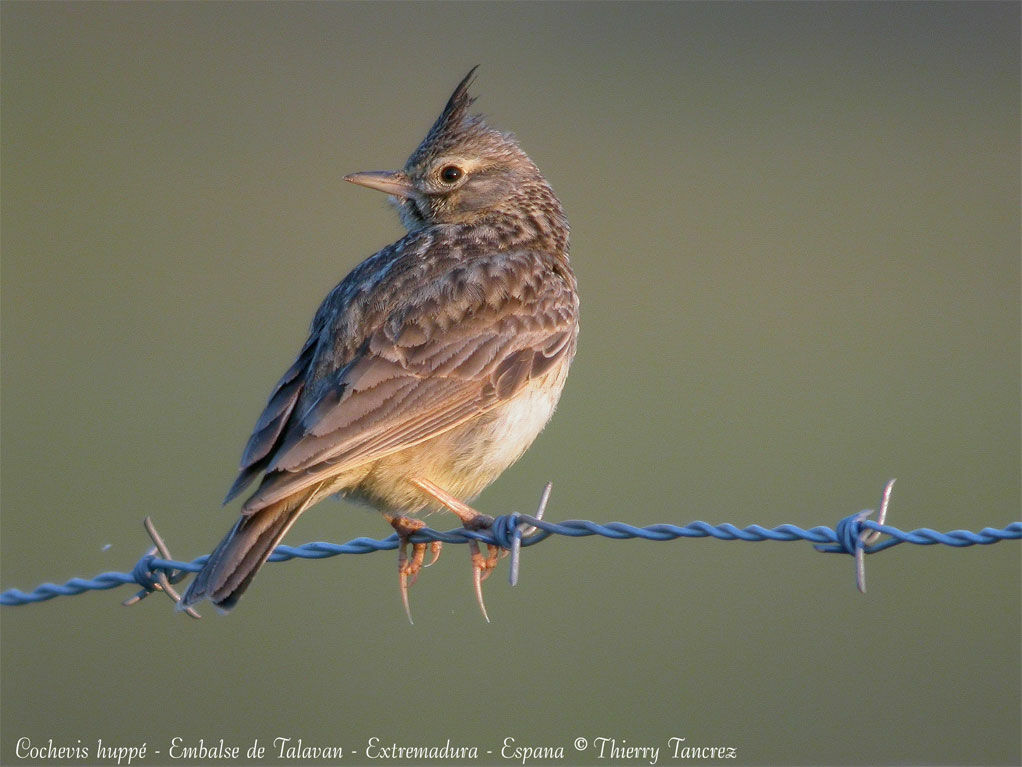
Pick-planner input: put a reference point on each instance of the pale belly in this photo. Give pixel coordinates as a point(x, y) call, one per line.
point(464, 460)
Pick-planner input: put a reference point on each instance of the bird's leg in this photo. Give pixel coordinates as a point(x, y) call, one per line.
point(470, 520)
point(405, 527)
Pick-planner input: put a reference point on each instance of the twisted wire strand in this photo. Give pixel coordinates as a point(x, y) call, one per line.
point(856, 535)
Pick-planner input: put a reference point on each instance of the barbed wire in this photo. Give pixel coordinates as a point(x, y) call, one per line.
point(857, 535)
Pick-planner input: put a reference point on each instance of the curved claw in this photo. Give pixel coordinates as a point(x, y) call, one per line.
point(403, 583)
point(477, 581)
point(405, 527)
point(481, 569)
point(434, 550)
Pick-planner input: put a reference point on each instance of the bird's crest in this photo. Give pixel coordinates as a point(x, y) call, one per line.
point(457, 108)
point(453, 125)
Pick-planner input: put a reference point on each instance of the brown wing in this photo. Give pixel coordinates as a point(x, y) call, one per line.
point(419, 375)
point(273, 420)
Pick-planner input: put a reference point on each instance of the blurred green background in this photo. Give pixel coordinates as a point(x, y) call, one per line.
point(796, 231)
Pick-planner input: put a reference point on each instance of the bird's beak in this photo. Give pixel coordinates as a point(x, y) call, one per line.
point(393, 182)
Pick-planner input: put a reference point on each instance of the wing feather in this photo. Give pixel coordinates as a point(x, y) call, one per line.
point(273, 420)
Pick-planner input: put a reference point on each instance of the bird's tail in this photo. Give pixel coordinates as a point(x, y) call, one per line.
point(235, 561)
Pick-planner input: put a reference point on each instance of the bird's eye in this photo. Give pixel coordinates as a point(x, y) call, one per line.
point(451, 173)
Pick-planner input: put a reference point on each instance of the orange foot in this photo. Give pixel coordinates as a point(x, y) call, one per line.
point(471, 520)
point(409, 568)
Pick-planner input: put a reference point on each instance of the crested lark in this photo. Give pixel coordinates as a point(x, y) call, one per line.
point(430, 368)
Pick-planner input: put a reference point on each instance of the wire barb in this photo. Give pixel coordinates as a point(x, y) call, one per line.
point(523, 529)
point(868, 538)
point(157, 579)
point(854, 537)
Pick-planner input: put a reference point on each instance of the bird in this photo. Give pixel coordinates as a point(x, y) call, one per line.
point(429, 369)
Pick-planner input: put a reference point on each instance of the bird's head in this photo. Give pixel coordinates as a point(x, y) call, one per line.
point(462, 172)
